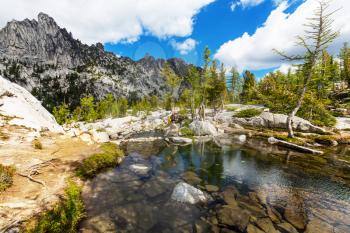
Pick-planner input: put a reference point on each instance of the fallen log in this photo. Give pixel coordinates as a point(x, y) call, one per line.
point(293, 146)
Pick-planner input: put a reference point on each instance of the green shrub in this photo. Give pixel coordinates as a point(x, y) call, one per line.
point(61, 113)
point(108, 158)
point(252, 112)
point(64, 217)
point(37, 144)
point(187, 132)
point(6, 174)
point(119, 107)
point(88, 109)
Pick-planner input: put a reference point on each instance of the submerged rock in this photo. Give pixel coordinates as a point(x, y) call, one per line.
point(211, 188)
point(267, 225)
point(286, 227)
point(186, 193)
point(180, 140)
point(253, 229)
point(317, 225)
point(140, 169)
point(295, 212)
point(191, 177)
point(234, 217)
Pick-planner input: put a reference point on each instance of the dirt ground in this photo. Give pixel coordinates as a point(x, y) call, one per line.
point(41, 175)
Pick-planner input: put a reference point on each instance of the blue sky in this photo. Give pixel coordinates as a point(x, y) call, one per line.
point(213, 26)
point(243, 37)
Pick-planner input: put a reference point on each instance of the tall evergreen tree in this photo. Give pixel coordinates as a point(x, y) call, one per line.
point(235, 83)
point(345, 63)
point(172, 81)
point(249, 85)
point(204, 82)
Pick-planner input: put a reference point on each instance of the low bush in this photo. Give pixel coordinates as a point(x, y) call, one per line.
point(6, 174)
point(37, 144)
point(186, 132)
point(248, 113)
point(3, 136)
point(65, 216)
point(109, 157)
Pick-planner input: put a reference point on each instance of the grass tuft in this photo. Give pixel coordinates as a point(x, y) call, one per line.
point(3, 136)
point(6, 177)
point(65, 216)
point(186, 132)
point(37, 144)
point(248, 113)
point(110, 157)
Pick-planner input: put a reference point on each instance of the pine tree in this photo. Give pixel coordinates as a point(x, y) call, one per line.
point(345, 63)
point(194, 79)
point(204, 82)
point(235, 83)
point(249, 85)
point(318, 36)
point(172, 81)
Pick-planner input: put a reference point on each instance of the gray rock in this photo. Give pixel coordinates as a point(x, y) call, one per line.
point(186, 193)
point(203, 128)
point(171, 131)
point(24, 109)
point(100, 137)
point(180, 140)
point(274, 120)
point(140, 169)
point(234, 216)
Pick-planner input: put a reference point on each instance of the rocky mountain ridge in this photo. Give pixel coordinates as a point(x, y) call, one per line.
point(47, 61)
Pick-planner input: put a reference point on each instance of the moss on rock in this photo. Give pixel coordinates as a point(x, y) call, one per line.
point(109, 157)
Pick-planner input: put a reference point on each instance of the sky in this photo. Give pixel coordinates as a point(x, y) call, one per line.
point(240, 33)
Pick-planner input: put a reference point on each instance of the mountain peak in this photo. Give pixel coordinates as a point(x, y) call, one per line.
point(40, 41)
point(43, 17)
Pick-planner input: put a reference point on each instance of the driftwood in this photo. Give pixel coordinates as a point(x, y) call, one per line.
point(293, 146)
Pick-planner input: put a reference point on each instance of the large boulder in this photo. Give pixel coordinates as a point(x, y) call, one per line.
point(24, 109)
point(186, 193)
point(203, 128)
point(100, 137)
point(343, 123)
point(274, 120)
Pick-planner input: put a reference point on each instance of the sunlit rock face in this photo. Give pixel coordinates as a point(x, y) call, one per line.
point(55, 67)
point(21, 108)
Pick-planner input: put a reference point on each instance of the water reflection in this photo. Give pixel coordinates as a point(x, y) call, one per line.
point(123, 200)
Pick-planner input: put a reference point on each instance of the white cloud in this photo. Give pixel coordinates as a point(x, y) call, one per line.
point(279, 31)
point(184, 47)
point(111, 20)
point(245, 3)
point(285, 68)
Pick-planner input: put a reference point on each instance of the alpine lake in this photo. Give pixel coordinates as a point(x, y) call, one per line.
point(251, 187)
